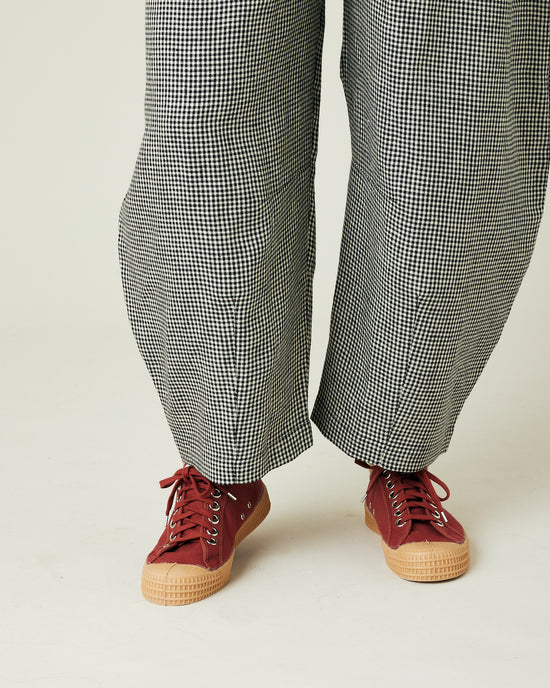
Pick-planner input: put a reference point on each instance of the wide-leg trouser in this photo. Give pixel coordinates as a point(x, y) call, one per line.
point(448, 106)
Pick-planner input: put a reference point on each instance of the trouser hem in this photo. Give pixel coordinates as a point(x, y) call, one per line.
point(284, 451)
point(369, 452)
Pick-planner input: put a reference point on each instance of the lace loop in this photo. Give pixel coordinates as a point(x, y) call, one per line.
point(413, 497)
point(192, 499)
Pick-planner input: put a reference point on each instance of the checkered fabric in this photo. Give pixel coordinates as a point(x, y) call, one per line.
point(448, 107)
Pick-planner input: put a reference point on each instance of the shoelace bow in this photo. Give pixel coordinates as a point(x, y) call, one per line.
point(413, 498)
point(190, 494)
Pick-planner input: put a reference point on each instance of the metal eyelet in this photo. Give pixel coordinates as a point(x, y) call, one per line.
point(214, 520)
point(386, 474)
point(400, 524)
point(172, 537)
point(397, 513)
point(216, 493)
point(215, 506)
point(172, 524)
point(242, 517)
point(436, 514)
point(212, 541)
point(214, 531)
point(390, 485)
point(249, 505)
point(391, 495)
point(440, 524)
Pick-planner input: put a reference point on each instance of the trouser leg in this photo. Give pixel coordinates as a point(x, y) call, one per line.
point(216, 239)
point(448, 106)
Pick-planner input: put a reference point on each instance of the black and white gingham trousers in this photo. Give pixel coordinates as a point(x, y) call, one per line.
point(448, 106)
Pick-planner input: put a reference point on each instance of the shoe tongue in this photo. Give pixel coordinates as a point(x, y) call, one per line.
point(422, 529)
point(193, 497)
point(192, 492)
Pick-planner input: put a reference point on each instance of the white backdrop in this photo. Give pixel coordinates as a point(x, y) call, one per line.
point(84, 440)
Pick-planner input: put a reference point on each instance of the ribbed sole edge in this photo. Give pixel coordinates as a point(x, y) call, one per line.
point(424, 562)
point(170, 584)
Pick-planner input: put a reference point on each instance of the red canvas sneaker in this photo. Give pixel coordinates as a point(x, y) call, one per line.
point(205, 523)
point(421, 540)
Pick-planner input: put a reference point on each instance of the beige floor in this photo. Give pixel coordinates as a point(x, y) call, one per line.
point(311, 602)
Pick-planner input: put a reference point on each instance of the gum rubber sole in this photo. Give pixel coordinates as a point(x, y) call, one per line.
point(177, 584)
point(424, 562)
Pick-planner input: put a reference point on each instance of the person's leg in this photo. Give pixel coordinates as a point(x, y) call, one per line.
point(217, 254)
point(449, 108)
